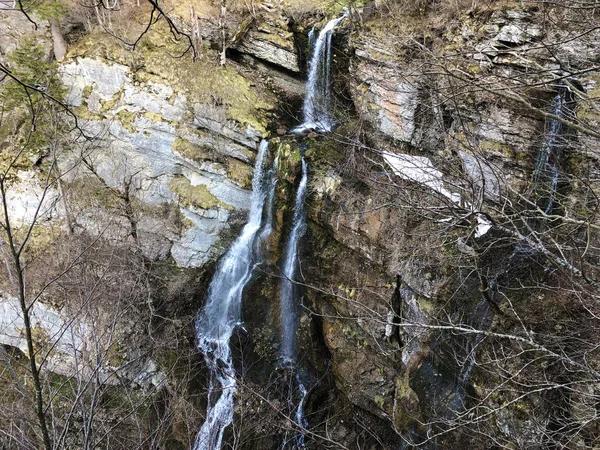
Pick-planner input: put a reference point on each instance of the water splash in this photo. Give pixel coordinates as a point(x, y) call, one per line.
point(317, 102)
point(299, 416)
point(222, 314)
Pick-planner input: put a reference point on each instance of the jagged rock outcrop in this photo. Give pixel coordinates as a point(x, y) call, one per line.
point(482, 149)
point(386, 94)
point(15, 26)
point(74, 347)
point(270, 39)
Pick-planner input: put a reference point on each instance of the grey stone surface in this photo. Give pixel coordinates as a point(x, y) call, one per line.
point(135, 135)
point(271, 41)
point(387, 98)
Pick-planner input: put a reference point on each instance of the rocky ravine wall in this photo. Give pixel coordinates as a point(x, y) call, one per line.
point(486, 147)
point(373, 261)
point(180, 151)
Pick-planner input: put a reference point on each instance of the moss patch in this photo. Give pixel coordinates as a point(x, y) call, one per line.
point(82, 111)
point(107, 105)
point(154, 117)
point(190, 151)
point(203, 80)
point(193, 196)
point(87, 91)
point(127, 119)
point(240, 173)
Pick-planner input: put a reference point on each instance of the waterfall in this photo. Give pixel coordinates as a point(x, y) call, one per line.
point(268, 222)
point(300, 419)
point(289, 288)
point(317, 101)
point(222, 312)
point(547, 171)
point(317, 104)
point(290, 299)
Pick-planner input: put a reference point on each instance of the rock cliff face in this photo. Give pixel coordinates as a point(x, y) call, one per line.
point(272, 40)
point(401, 262)
point(481, 149)
point(148, 144)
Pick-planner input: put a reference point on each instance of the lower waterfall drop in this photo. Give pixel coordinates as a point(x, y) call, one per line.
point(290, 301)
point(222, 311)
point(289, 288)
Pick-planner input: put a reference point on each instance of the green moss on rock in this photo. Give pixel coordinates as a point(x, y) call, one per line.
point(190, 151)
point(127, 118)
point(240, 173)
point(87, 91)
point(154, 117)
point(202, 80)
point(193, 196)
point(82, 111)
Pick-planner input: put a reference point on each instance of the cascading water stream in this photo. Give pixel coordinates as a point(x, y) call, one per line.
point(289, 288)
point(316, 111)
point(547, 172)
point(222, 311)
point(317, 101)
point(290, 299)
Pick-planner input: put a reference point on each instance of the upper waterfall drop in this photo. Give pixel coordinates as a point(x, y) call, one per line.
point(317, 101)
point(222, 311)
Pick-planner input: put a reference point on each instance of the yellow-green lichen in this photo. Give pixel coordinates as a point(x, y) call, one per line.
point(127, 119)
point(193, 196)
point(239, 172)
point(82, 111)
point(87, 91)
point(116, 355)
point(493, 146)
point(190, 151)
point(107, 105)
point(154, 117)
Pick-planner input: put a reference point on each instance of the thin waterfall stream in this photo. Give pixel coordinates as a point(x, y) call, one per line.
point(317, 117)
point(546, 174)
point(289, 288)
point(291, 299)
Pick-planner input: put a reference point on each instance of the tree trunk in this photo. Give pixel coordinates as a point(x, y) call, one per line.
point(25, 309)
point(58, 40)
point(223, 32)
